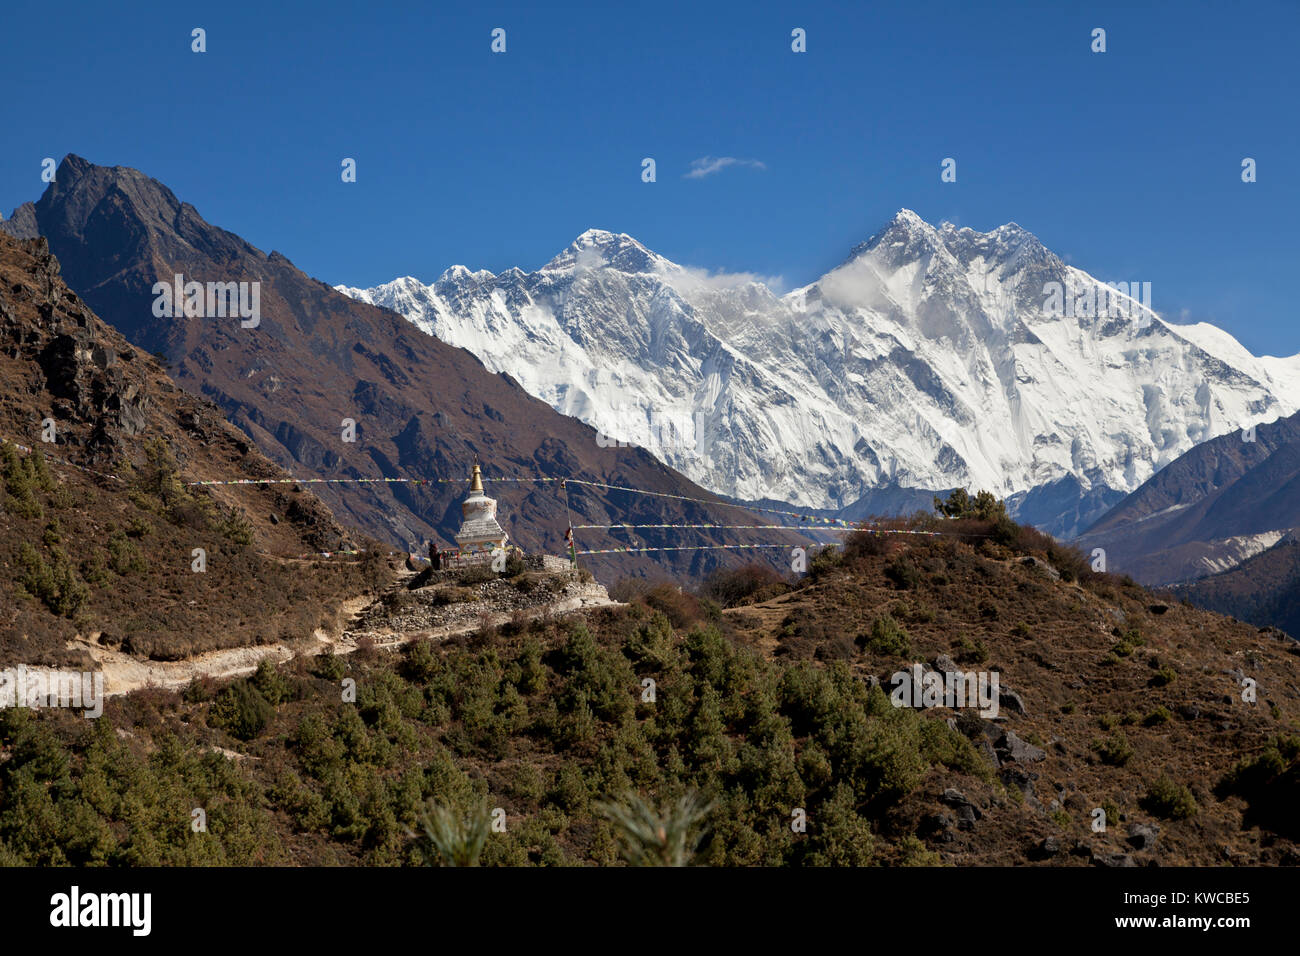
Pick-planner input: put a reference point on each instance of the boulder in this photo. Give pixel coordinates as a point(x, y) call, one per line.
point(1011, 701)
point(1047, 848)
point(946, 665)
point(1042, 567)
point(1011, 747)
point(1142, 836)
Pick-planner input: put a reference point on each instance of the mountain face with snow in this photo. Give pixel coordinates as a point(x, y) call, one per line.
point(930, 358)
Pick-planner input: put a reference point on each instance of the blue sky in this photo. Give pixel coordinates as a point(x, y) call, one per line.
point(1126, 163)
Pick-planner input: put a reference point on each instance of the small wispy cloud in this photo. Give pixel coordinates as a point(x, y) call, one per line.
point(690, 280)
point(708, 165)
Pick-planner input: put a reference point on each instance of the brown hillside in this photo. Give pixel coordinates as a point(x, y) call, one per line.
point(1118, 686)
point(421, 407)
point(108, 560)
point(1113, 699)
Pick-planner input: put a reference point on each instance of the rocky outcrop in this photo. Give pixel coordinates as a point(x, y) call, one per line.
point(443, 607)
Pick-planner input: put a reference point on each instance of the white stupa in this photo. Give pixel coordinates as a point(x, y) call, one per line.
point(479, 529)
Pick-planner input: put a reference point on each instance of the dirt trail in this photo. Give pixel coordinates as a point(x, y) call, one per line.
point(124, 673)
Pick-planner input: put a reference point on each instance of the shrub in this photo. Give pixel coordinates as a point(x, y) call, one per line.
point(236, 529)
point(1270, 784)
point(123, 556)
point(397, 599)
point(1163, 676)
point(24, 476)
point(138, 528)
point(1170, 800)
point(972, 651)
point(985, 506)
point(826, 559)
point(56, 585)
point(95, 571)
point(329, 666)
point(746, 585)
point(887, 638)
point(1115, 750)
point(1160, 715)
point(670, 836)
point(916, 853)
point(456, 832)
point(270, 683)
point(476, 574)
point(199, 690)
point(864, 543)
point(682, 609)
point(452, 595)
point(1112, 811)
point(902, 573)
point(241, 711)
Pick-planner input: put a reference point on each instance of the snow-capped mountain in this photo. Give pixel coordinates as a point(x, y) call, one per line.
point(930, 358)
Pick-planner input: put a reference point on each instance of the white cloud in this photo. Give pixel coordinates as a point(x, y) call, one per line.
point(708, 165)
point(589, 258)
point(687, 280)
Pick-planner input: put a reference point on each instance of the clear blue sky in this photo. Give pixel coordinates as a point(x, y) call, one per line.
point(1126, 163)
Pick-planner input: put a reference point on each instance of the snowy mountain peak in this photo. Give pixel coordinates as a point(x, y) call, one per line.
point(931, 358)
point(906, 217)
point(598, 248)
point(906, 232)
point(460, 274)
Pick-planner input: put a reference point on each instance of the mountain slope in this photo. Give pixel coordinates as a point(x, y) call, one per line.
point(102, 555)
point(928, 359)
point(1263, 589)
point(1218, 504)
point(316, 358)
point(1107, 701)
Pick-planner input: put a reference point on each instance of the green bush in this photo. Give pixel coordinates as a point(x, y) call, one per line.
point(1164, 798)
point(887, 638)
point(55, 584)
point(457, 832)
point(826, 559)
point(270, 683)
point(1114, 751)
point(476, 574)
point(902, 573)
point(24, 477)
point(329, 666)
point(670, 836)
point(123, 555)
point(241, 711)
point(1161, 715)
point(972, 651)
point(985, 506)
point(236, 529)
point(1163, 676)
point(1270, 783)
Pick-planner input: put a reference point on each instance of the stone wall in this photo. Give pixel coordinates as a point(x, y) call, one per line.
point(546, 562)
